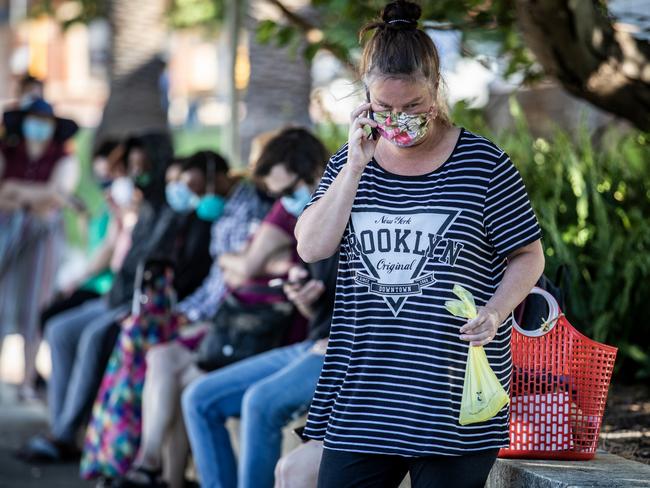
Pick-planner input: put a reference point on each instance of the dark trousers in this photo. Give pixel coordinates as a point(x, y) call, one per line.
point(77, 297)
point(339, 469)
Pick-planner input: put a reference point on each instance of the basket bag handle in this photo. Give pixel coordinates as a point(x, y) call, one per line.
point(549, 322)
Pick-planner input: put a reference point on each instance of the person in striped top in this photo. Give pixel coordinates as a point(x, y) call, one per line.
point(416, 206)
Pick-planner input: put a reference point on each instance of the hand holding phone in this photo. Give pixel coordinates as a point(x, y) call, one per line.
point(362, 138)
point(280, 282)
point(298, 276)
point(374, 133)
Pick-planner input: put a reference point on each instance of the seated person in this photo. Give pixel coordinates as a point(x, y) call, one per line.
point(286, 161)
point(81, 339)
point(266, 391)
point(112, 435)
point(245, 207)
point(109, 235)
point(114, 428)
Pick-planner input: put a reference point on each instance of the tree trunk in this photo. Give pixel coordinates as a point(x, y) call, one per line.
point(136, 101)
point(279, 88)
point(234, 18)
point(577, 44)
point(6, 41)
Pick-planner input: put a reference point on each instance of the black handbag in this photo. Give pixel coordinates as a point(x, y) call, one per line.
point(242, 330)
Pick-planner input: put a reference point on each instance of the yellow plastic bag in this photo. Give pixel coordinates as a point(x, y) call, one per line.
point(483, 395)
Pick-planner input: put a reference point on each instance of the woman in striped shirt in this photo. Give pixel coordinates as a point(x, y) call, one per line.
point(417, 205)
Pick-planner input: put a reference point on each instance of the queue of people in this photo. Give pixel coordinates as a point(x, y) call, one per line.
point(307, 285)
point(177, 247)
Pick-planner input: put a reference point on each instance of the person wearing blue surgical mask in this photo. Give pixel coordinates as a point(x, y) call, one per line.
point(289, 167)
point(295, 202)
point(38, 176)
point(180, 198)
point(37, 129)
point(202, 186)
point(295, 177)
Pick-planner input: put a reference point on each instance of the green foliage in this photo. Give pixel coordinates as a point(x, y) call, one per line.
point(333, 135)
point(340, 21)
point(280, 34)
point(189, 141)
point(592, 201)
point(83, 11)
point(180, 13)
point(478, 20)
point(191, 13)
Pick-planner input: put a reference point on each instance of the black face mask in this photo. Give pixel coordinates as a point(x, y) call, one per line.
point(142, 180)
point(104, 183)
point(265, 197)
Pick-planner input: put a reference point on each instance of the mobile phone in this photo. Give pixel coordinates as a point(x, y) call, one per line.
point(374, 133)
point(300, 433)
point(280, 282)
point(77, 204)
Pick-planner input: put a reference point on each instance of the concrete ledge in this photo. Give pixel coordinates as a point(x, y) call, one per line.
point(605, 470)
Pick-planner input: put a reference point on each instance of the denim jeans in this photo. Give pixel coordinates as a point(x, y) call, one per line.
point(266, 391)
point(81, 340)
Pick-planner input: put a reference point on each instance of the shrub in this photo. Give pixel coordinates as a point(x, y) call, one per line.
point(592, 199)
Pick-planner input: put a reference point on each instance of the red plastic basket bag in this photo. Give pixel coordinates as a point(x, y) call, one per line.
point(559, 389)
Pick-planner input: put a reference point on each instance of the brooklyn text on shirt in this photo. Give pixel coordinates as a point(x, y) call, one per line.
point(396, 250)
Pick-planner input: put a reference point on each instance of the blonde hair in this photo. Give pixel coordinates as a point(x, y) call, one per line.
point(398, 48)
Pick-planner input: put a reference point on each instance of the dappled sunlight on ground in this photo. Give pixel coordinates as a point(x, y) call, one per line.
point(11, 360)
point(626, 426)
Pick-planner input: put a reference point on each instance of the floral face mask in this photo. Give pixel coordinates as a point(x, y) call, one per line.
point(402, 129)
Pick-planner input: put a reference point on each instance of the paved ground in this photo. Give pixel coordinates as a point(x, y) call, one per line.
point(17, 423)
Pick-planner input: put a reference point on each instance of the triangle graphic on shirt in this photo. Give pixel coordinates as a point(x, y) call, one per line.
point(395, 305)
point(395, 248)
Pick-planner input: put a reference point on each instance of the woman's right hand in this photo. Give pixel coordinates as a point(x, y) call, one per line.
point(361, 149)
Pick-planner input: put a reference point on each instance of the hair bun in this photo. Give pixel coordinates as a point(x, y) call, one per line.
point(401, 13)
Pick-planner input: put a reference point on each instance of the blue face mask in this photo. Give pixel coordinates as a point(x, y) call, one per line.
point(296, 202)
point(37, 130)
point(211, 207)
point(180, 198)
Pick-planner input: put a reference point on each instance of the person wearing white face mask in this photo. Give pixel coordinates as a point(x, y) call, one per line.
point(121, 191)
point(37, 177)
point(416, 206)
point(108, 237)
point(81, 338)
point(189, 182)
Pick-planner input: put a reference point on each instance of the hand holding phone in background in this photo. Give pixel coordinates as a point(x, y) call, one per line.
point(302, 291)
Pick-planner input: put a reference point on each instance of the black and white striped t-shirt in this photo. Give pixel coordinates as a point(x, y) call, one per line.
point(393, 373)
